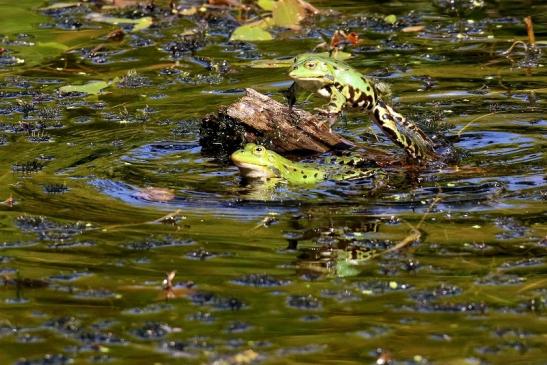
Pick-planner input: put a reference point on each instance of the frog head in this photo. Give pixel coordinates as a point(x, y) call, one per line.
point(255, 161)
point(313, 71)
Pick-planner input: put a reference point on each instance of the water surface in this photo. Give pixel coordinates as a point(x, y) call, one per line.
point(83, 251)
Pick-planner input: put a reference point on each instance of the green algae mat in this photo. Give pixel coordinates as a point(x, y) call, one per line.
point(121, 242)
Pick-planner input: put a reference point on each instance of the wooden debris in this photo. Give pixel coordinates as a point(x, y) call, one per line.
point(530, 31)
point(116, 35)
point(167, 285)
point(413, 28)
point(155, 194)
point(258, 118)
point(10, 202)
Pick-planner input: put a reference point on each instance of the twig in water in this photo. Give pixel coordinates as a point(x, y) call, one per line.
point(414, 235)
point(169, 217)
point(534, 285)
point(530, 30)
point(433, 203)
point(473, 121)
point(374, 134)
point(166, 219)
point(267, 221)
point(515, 43)
point(529, 48)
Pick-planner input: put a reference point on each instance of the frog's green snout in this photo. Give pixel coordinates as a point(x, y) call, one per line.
point(292, 73)
point(252, 162)
point(234, 155)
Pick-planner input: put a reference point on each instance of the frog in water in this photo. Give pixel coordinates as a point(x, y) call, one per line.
point(332, 261)
point(347, 87)
point(255, 161)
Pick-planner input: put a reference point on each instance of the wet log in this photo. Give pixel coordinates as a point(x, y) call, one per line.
point(260, 119)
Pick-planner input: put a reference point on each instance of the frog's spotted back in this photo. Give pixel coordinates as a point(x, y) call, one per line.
point(256, 161)
point(348, 88)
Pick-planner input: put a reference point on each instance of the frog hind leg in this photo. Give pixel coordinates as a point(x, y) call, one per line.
point(403, 132)
point(353, 174)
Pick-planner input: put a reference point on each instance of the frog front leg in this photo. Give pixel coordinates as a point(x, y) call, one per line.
point(336, 103)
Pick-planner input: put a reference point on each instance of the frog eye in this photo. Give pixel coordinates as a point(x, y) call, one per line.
point(311, 65)
point(259, 149)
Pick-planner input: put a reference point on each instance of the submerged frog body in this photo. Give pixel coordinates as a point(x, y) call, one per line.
point(348, 88)
point(255, 161)
point(333, 261)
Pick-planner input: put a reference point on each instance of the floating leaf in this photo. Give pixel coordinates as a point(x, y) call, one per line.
point(341, 55)
point(245, 357)
point(267, 5)
point(271, 63)
point(143, 23)
point(346, 269)
point(54, 45)
point(139, 24)
point(337, 55)
point(188, 11)
point(288, 14)
point(92, 88)
point(390, 19)
point(57, 6)
point(234, 3)
point(121, 4)
point(250, 32)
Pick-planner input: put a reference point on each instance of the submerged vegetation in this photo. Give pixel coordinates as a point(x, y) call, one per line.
point(128, 236)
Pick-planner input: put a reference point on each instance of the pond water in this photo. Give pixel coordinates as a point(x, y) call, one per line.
point(268, 274)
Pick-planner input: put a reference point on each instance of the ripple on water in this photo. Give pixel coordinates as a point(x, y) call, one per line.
point(495, 143)
point(160, 149)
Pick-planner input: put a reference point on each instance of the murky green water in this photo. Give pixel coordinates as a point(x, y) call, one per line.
point(83, 251)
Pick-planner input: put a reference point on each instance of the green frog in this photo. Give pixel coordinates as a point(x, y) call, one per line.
point(347, 87)
point(333, 261)
point(255, 161)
